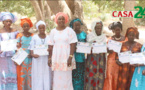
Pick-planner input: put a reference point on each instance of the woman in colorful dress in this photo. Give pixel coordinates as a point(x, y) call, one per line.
point(8, 76)
point(62, 46)
point(138, 79)
point(112, 67)
point(126, 70)
point(41, 73)
point(95, 63)
point(78, 73)
point(24, 70)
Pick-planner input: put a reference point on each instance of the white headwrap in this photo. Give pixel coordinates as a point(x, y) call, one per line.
point(7, 15)
point(40, 23)
point(91, 37)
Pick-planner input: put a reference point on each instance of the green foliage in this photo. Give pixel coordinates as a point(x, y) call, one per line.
point(142, 20)
point(49, 25)
point(90, 9)
point(22, 7)
point(101, 8)
point(109, 5)
point(140, 3)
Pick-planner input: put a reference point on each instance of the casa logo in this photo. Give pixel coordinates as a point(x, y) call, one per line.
point(138, 13)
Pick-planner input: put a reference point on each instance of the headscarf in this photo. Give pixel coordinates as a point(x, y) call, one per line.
point(132, 29)
point(93, 36)
point(7, 15)
point(73, 21)
point(115, 24)
point(40, 23)
point(26, 20)
point(61, 14)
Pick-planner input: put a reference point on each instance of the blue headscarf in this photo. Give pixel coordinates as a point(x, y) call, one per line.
point(75, 20)
point(7, 15)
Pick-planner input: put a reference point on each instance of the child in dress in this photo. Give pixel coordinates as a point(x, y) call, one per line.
point(41, 72)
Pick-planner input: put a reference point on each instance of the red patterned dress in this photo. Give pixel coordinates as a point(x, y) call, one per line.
point(95, 71)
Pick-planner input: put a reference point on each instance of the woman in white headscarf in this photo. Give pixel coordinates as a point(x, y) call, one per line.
point(41, 72)
point(8, 76)
point(95, 63)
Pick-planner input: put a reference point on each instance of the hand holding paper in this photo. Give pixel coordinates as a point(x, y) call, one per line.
point(9, 45)
point(137, 58)
point(20, 56)
point(114, 45)
point(83, 47)
point(41, 50)
point(99, 48)
point(124, 57)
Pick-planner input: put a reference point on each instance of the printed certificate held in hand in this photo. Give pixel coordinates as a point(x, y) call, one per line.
point(137, 58)
point(114, 45)
point(9, 45)
point(124, 57)
point(83, 47)
point(41, 50)
point(99, 48)
point(19, 56)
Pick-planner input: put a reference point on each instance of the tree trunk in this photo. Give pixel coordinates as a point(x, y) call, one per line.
point(47, 12)
point(71, 5)
point(59, 6)
point(128, 22)
point(37, 10)
point(78, 13)
point(73, 8)
point(41, 5)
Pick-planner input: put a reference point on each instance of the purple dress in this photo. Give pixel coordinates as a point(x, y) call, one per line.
point(8, 76)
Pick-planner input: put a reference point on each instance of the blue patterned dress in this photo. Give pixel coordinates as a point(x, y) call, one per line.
point(24, 70)
point(78, 73)
point(138, 80)
point(8, 76)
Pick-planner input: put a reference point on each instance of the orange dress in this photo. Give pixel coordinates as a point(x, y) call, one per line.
point(126, 70)
point(110, 82)
point(24, 70)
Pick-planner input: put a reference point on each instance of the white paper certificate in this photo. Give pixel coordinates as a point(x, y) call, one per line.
point(114, 45)
point(41, 50)
point(9, 45)
point(83, 47)
point(99, 48)
point(124, 57)
point(144, 44)
point(19, 56)
point(137, 58)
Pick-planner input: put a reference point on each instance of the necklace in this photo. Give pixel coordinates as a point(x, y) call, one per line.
point(42, 41)
point(9, 33)
point(117, 38)
point(27, 35)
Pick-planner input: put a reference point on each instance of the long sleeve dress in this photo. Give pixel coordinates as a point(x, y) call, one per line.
point(78, 73)
point(8, 75)
point(41, 72)
point(95, 66)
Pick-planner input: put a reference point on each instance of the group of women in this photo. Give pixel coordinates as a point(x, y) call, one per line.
point(64, 68)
